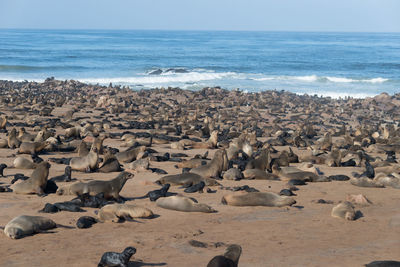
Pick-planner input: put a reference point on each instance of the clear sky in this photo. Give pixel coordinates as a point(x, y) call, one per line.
point(257, 15)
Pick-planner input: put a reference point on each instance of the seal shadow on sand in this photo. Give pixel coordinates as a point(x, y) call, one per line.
point(140, 264)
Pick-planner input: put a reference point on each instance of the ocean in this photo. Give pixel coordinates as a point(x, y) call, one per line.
point(328, 64)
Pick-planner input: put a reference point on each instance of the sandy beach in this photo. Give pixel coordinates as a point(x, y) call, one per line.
point(303, 234)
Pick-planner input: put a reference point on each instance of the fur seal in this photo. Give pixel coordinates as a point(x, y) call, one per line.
point(117, 259)
point(27, 225)
point(156, 194)
point(130, 155)
point(115, 212)
point(344, 210)
point(36, 184)
point(195, 188)
point(110, 164)
point(233, 174)
point(83, 149)
point(23, 163)
point(66, 177)
point(139, 165)
point(262, 161)
point(365, 182)
point(257, 199)
point(110, 188)
point(383, 264)
point(259, 175)
point(13, 141)
point(182, 203)
point(229, 259)
point(297, 175)
point(214, 168)
point(186, 179)
point(2, 167)
point(32, 147)
point(192, 163)
point(85, 222)
point(210, 143)
point(87, 163)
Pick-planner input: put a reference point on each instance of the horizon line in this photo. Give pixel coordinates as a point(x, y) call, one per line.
point(196, 30)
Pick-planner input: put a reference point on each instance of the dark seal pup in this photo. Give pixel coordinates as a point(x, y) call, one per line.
point(117, 259)
point(229, 259)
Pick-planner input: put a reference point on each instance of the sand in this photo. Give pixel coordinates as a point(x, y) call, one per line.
point(304, 234)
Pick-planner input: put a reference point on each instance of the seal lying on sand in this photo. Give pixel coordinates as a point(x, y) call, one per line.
point(110, 188)
point(229, 259)
point(259, 175)
point(365, 182)
point(182, 203)
point(383, 264)
point(130, 154)
point(23, 163)
point(214, 168)
point(36, 183)
point(117, 259)
point(115, 212)
point(27, 225)
point(344, 210)
point(186, 179)
point(257, 199)
point(32, 147)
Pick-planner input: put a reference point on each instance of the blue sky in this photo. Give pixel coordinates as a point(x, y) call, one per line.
point(257, 15)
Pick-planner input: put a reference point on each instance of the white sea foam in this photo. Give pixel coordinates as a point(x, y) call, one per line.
point(315, 78)
point(311, 78)
point(340, 80)
point(165, 78)
point(348, 80)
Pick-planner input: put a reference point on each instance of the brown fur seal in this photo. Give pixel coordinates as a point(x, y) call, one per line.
point(86, 163)
point(130, 154)
point(261, 162)
point(186, 179)
point(182, 203)
point(191, 163)
point(229, 259)
point(115, 212)
point(139, 165)
point(214, 168)
point(24, 163)
point(36, 183)
point(233, 174)
point(27, 225)
point(98, 143)
point(365, 182)
point(297, 175)
point(32, 147)
point(344, 210)
point(110, 188)
point(3, 122)
point(259, 175)
point(210, 143)
point(257, 199)
point(13, 141)
point(83, 149)
point(388, 180)
point(23, 136)
point(110, 164)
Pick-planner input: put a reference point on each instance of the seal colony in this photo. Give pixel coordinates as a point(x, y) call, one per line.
point(214, 165)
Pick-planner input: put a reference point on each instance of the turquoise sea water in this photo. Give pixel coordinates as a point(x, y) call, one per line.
point(335, 64)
